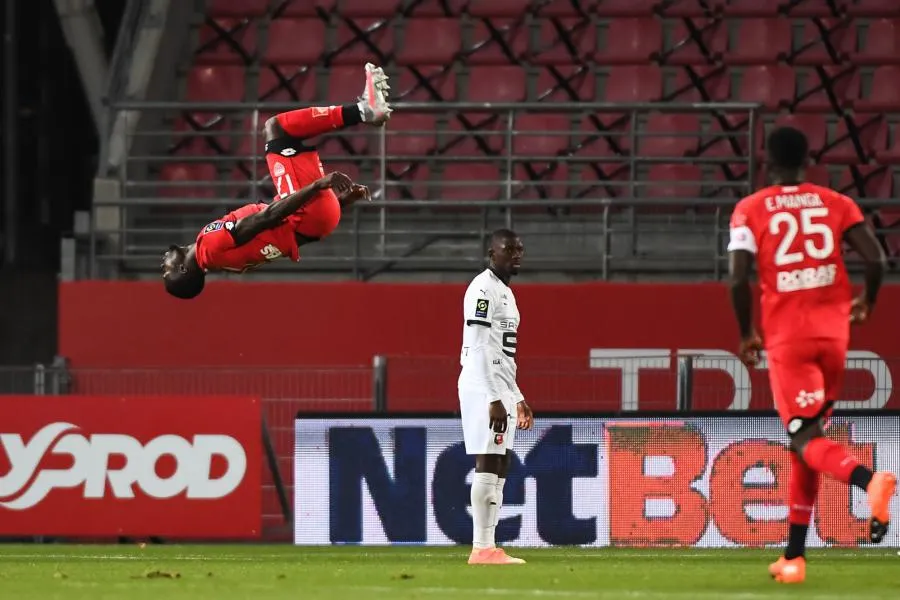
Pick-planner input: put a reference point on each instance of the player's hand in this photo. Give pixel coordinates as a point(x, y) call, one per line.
point(750, 349)
point(498, 417)
point(524, 416)
point(355, 194)
point(859, 311)
point(340, 183)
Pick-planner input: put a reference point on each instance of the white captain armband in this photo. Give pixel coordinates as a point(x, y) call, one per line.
point(742, 239)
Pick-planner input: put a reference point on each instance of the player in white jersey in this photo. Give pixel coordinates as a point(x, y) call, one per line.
point(489, 397)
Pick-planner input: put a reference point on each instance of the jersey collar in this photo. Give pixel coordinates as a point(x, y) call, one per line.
point(503, 278)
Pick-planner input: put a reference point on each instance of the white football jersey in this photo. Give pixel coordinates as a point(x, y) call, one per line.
point(490, 324)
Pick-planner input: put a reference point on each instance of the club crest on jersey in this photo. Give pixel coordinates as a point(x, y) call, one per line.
point(214, 226)
point(481, 308)
point(278, 170)
point(498, 439)
point(288, 152)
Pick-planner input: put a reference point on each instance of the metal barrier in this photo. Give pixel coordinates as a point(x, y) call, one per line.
point(603, 194)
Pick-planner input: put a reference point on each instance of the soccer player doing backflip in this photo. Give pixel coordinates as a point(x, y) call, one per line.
point(490, 402)
point(306, 208)
point(794, 231)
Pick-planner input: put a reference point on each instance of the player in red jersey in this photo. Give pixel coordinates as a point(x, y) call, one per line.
point(313, 212)
point(794, 230)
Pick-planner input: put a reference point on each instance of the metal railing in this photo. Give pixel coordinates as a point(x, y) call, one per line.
point(587, 205)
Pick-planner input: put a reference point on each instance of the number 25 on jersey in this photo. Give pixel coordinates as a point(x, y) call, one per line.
point(817, 244)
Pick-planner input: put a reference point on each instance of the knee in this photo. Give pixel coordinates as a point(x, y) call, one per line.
point(802, 431)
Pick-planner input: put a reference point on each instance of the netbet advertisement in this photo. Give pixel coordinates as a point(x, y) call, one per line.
point(704, 482)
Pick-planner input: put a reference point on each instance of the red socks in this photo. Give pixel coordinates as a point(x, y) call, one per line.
point(804, 488)
point(310, 122)
point(828, 457)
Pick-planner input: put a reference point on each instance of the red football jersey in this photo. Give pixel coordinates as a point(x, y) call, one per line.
point(216, 250)
point(796, 233)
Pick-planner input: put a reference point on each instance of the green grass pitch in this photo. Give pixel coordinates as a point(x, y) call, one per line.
point(68, 572)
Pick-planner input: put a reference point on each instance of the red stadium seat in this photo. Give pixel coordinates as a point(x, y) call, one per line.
point(812, 125)
point(631, 41)
point(626, 8)
point(354, 9)
point(344, 84)
point(304, 8)
point(818, 175)
point(565, 41)
point(690, 8)
point(813, 50)
point(772, 86)
point(181, 173)
point(362, 41)
point(669, 135)
point(500, 43)
point(409, 181)
point(424, 84)
point(633, 84)
point(882, 44)
point(486, 136)
point(565, 8)
point(549, 184)
point(673, 181)
point(299, 86)
point(611, 139)
point(760, 41)
point(496, 84)
point(215, 84)
point(226, 41)
point(750, 8)
point(236, 8)
point(889, 152)
point(541, 135)
point(434, 8)
point(885, 93)
point(817, 8)
point(566, 83)
point(411, 134)
point(429, 42)
point(732, 139)
point(842, 149)
point(812, 95)
point(874, 8)
point(714, 81)
point(498, 8)
point(869, 181)
point(295, 42)
point(476, 181)
point(685, 50)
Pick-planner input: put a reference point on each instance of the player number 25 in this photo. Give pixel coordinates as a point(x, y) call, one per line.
point(813, 232)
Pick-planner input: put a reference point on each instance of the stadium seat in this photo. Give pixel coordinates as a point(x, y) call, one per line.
point(842, 149)
point(750, 8)
point(603, 136)
point(226, 41)
point(481, 135)
point(715, 82)
point(633, 84)
point(565, 8)
point(625, 8)
point(411, 134)
point(363, 40)
point(474, 181)
point(732, 138)
point(669, 135)
point(497, 42)
point(344, 84)
point(816, 8)
point(566, 83)
point(541, 135)
point(295, 42)
point(299, 86)
point(354, 9)
point(304, 8)
point(882, 44)
point(813, 49)
point(408, 181)
point(424, 83)
point(630, 42)
point(874, 8)
point(689, 8)
point(866, 181)
point(565, 41)
point(888, 153)
point(176, 173)
point(812, 93)
point(429, 42)
point(496, 84)
point(885, 91)
point(772, 86)
point(215, 84)
point(813, 125)
point(686, 50)
point(433, 8)
point(498, 8)
point(819, 175)
point(673, 181)
point(760, 41)
point(540, 182)
point(236, 8)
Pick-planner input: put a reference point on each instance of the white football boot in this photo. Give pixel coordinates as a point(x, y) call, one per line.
point(373, 104)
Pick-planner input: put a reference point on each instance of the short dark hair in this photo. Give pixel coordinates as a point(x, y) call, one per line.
point(186, 285)
point(500, 235)
point(787, 148)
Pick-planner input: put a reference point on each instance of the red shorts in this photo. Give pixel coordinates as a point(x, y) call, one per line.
point(289, 174)
point(806, 376)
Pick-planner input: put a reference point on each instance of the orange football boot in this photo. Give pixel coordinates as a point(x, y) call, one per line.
point(492, 556)
point(880, 491)
point(789, 571)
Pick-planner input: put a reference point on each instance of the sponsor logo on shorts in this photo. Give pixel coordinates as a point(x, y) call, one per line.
point(805, 398)
point(498, 439)
point(481, 308)
point(278, 169)
point(320, 111)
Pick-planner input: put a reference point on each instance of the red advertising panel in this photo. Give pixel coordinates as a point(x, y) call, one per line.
point(183, 467)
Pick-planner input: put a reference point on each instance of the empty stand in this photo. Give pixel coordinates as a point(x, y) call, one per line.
point(295, 42)
point(497, 42)
point(630, 42)
point(760, 41)
point(430, 42)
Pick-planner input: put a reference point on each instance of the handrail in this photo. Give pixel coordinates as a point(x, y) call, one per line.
point(450, 106)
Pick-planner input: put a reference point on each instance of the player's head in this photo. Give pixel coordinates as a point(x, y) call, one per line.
point(183, 278)
point(787, 149)
point(506, 251)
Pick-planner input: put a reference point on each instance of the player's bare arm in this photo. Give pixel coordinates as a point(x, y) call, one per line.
point(863, 242)
point(248, 228)
point(740, 263)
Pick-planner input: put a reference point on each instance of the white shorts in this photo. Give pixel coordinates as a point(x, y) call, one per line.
point(476, 422)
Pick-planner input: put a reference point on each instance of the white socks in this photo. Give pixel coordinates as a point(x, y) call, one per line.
point(500, 483)
point(484, 509)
